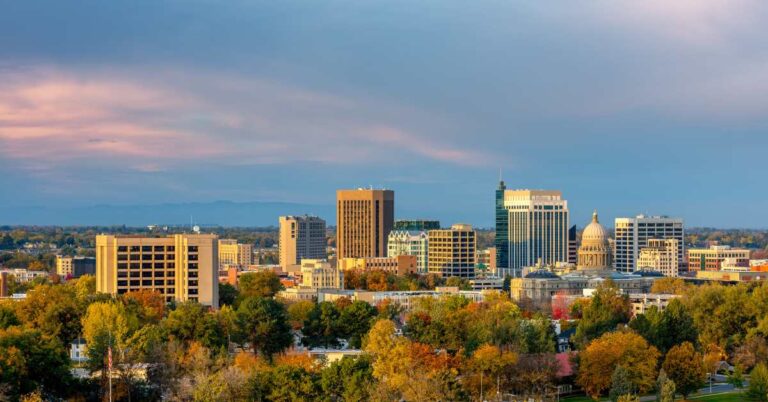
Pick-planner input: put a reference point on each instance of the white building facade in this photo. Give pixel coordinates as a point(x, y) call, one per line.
point(632, 235)
point(409, 242)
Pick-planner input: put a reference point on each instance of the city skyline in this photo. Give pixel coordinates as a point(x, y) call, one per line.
point(143, 103)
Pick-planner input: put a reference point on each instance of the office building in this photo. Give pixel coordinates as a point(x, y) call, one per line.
point(234, 254)
point(182, 267)
point(364, 218)
point(407, 242)
point(320, 274)
point(660, 256)
point(632, 234)
point(712, 258)
point(419, 225)
point(451, 252)
point(531, 228)
point(75, 267)
point(501, 241)
point(573, 246)
point(301, 237)
point(400, 265)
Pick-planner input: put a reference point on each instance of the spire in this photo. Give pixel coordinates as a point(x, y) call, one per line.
point(501, 181)
point(594, 216)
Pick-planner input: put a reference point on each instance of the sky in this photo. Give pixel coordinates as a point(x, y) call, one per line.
point(651, 106)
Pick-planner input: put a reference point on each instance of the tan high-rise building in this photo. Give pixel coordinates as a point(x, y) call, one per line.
point(301, 237)
point(182, 267)
point(451, 252)
point(660, 255)
point(233, 254)
point(364, 219)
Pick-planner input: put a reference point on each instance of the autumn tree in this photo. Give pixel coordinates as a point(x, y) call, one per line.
point(488, 367)
point(607, 308)
point(30, 359)
point(665, 388)
point(259, 284)
point(107, 324)
point(348, 379)
point(686, 368)
point(149, 305)
point(672, 286)
point(600, 358)
point(621, 383)
point(758, 383)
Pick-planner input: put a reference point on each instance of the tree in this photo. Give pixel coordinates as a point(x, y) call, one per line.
point(600, 358)
point(30, 360)
point(665, 388)
point(191, 321)
point(758, 383)
point(355, 321)
point(264, 323)
point(486, 367)
point(736, 378)
point(298, 312)
point(148, 304)
point(675, 326)
point(54, 310)
point(322, 326)
point(673, 286)
point(621, 383)
point(290, 383)
point(751, 352)
point(106, 324)
point(259, 284)
point(227, 294)
point(7, 316)
point(348, 379)
point(686, 368)
point(607, 308)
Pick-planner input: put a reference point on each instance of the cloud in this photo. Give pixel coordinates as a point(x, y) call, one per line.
point(147, 120)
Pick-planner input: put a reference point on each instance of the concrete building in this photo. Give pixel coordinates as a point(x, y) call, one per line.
point(234, 254)
point(712, 258)
point(660, 256)
point(732, 277)
point(75, 267)
point(641, 302)
point(409, 242)
point(595, 250)
point(632, 234)
point(182, 267)
point(320, 274)
point(301, 237)
point(364, 218)
point(451, 252)
point(400, 265)
point(531, 227)
point(573, 246)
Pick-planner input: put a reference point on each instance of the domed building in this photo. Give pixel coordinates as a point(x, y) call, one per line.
point(595, 250)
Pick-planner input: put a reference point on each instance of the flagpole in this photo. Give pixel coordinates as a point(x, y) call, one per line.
point(109, 351)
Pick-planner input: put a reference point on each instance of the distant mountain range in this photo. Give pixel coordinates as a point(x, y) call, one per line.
point(223, 213)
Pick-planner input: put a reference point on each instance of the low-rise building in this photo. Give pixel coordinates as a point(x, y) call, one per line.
point(22, 275)
point(731, 276)
point(487, 283)
point(711, 259)
point(641, 302)
point(75, 267)
point(403, 298)
point(320, 274)
point(400, 265)
point(660, 255)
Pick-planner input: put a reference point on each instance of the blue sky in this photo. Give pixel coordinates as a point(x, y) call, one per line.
point(651, 107)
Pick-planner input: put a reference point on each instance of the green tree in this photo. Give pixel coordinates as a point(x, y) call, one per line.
point(7, 316)
point(621, 383)
point(665, 388)
point(299, 312)
point(675, 327)
point(227, 294)
point(758, 383)
point(191, 321)
point(348, 379)
point(322, 326)
point(30, 360)
point(264, 323)
point(259, 284)
point(53, 309)
point(607, 308)
point(355, 321)
point(291, 383)
point(686, 368)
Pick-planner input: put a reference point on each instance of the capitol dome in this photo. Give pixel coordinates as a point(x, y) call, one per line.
point(594, 232)
point(595, 250)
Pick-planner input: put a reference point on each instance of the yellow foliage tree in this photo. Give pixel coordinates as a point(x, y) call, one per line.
point(598, 361)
